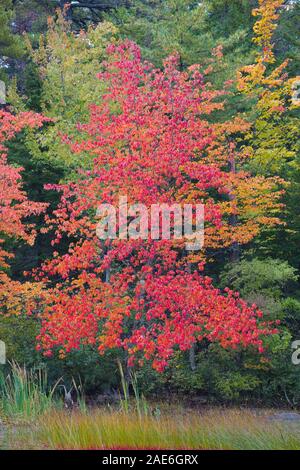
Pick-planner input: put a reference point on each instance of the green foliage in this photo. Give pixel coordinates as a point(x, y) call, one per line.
point(272, 285)
point(188, 27)
point(162, 27)
point(272, 276)
point(36, 173)
point(11, 47)
point(98, 374)
point(285, 240)
point(227, 16)
point(31, 15)
point(286, 37)
point(10, 44)
point(19, 335)
point(291, 311)
point(232, 384)
point(220, 375)
point(67, 66)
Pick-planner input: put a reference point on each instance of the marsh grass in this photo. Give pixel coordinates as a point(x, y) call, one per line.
point(214, 429)
point(38, 422)
point(24, 394)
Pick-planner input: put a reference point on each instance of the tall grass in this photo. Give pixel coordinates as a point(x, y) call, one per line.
point(80, 395)
point(139, 405)
point(24, 394)
point(125, 388)
point(100, 429)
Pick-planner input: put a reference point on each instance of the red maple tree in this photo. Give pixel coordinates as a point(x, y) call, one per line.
point(153, 140)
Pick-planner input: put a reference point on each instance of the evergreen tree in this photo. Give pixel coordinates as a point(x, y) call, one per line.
point(10, 44)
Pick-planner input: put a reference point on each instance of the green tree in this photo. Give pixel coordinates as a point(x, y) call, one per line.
point(67, 66)
point(272, 142)
point(10, 43)
point(191, 28)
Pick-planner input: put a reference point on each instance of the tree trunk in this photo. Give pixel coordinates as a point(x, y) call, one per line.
point(234, 255)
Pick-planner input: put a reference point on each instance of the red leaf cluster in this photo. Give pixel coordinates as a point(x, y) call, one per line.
point(152, 139)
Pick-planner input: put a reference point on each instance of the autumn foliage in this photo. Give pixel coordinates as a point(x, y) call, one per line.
point(153, 139)
point(15, 207)
point(156, 136)
point(273, 134)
